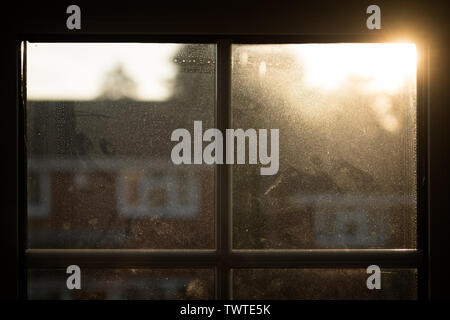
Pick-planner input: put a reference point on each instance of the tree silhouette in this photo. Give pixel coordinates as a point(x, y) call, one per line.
point(117, 84)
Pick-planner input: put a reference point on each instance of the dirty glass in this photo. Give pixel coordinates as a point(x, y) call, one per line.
point(123, 284)
point(346, 115)
point(99, 119)
point(323, 284)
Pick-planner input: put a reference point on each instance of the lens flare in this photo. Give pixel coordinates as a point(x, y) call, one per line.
point(379, 67)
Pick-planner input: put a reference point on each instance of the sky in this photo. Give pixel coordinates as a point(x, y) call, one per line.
point(66, 71)
point(75, 71)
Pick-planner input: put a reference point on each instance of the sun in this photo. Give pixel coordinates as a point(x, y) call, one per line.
point(380, 67)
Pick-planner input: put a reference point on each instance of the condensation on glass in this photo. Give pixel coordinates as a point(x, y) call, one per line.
point(347, 120)
point(99, 119)
point(123, 284)
point(322, 284)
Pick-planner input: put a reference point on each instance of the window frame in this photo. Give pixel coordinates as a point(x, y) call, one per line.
point(425, 22)
point(223, 259)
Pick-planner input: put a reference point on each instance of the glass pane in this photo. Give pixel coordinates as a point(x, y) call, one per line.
point(346, 115)
point(122, 284)
point(99, 124)
point(322, 284)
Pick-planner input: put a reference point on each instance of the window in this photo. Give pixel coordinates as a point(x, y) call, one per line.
point(98, 139)
point(347, 119)
point(124, 284)
point(103, 193)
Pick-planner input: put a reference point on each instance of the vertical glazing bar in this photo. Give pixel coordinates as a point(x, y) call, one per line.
point(223, 194)
point(22, 172)
point(422, 164)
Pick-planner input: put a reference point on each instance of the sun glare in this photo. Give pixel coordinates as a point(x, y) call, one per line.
point(379, 67)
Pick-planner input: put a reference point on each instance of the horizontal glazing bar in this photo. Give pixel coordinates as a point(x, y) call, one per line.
point(141, 258)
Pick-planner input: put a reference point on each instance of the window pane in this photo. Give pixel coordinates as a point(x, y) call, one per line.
point(123, 284)
point(322, 284)
point(346, 115)
point(99, 124)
